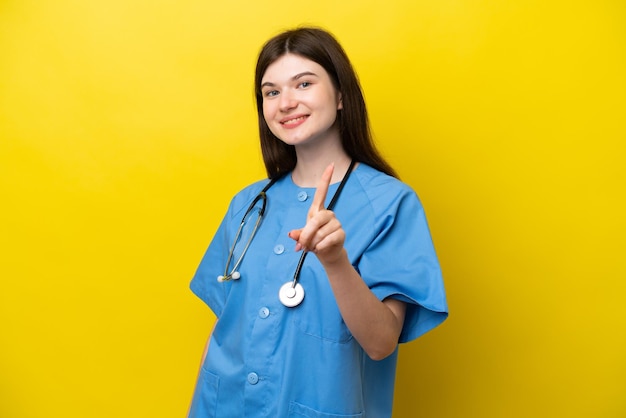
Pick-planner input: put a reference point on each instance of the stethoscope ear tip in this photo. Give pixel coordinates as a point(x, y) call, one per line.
point(233, 276)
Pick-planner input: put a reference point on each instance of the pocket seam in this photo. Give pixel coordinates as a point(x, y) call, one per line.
point(304, 411)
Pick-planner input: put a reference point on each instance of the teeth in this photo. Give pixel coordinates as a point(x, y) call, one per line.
point(293, 120)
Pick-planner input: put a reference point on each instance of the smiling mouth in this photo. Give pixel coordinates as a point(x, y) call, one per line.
point(294, 120)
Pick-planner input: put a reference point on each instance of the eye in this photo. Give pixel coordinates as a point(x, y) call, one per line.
point(270, 93)
point(305, 84)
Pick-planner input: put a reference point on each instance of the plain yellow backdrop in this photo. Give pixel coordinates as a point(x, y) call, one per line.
point(126, 127)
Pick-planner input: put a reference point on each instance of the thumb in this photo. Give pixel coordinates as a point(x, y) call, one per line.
point(294, 234)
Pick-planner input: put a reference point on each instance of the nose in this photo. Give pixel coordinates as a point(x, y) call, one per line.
point(287, 101)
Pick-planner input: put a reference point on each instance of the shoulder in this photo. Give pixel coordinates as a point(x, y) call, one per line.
point(383, 190)
point(372, 179)
point(242, 199)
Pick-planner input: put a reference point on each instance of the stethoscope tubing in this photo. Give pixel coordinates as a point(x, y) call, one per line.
point(261, 196)
point(291, 293)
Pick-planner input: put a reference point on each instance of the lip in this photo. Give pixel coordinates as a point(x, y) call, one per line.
point(293, 120)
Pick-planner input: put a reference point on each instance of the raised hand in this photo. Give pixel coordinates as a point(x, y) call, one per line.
point(322, 234)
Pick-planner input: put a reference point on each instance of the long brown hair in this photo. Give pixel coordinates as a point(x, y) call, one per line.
point(321, 47)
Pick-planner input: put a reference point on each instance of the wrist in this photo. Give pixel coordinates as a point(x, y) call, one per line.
point(335, 262)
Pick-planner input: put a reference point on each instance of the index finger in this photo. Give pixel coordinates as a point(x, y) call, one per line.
point(322, 190)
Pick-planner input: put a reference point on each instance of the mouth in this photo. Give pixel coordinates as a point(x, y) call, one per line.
point(294, 120)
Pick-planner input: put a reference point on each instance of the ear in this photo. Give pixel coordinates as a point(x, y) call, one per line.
point(340, 102)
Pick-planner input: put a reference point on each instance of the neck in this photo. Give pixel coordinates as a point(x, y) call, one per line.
point(310, 166)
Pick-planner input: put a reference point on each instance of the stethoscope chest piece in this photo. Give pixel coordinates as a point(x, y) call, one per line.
point(291, 295)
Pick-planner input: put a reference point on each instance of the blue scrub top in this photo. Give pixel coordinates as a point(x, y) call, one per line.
point(266, 360)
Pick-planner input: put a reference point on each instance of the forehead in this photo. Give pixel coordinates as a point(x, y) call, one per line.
point(290, 65)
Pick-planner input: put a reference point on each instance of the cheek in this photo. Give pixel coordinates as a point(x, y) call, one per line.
point(268, 111)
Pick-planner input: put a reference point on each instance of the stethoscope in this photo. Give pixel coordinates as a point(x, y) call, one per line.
point(290, 294)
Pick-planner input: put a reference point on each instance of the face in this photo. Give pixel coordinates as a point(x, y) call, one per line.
point(300, 102)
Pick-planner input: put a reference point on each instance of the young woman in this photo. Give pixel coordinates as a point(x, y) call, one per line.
point(314, 335)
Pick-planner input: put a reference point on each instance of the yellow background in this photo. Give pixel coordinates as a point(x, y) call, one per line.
point(126, 127)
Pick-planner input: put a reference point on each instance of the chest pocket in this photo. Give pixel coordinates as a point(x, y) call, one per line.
point(318, 315)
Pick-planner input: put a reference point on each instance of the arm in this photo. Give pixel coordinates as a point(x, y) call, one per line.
point(375, 324)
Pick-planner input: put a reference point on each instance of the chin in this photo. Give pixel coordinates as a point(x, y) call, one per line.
point(294, 141)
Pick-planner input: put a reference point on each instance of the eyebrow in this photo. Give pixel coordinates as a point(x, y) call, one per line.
point(295, 77)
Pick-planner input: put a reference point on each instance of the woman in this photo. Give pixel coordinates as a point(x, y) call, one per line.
point(316, 335)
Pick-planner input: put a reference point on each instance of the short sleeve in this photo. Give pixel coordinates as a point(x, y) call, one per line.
point(202, 283)
point(401, 262)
